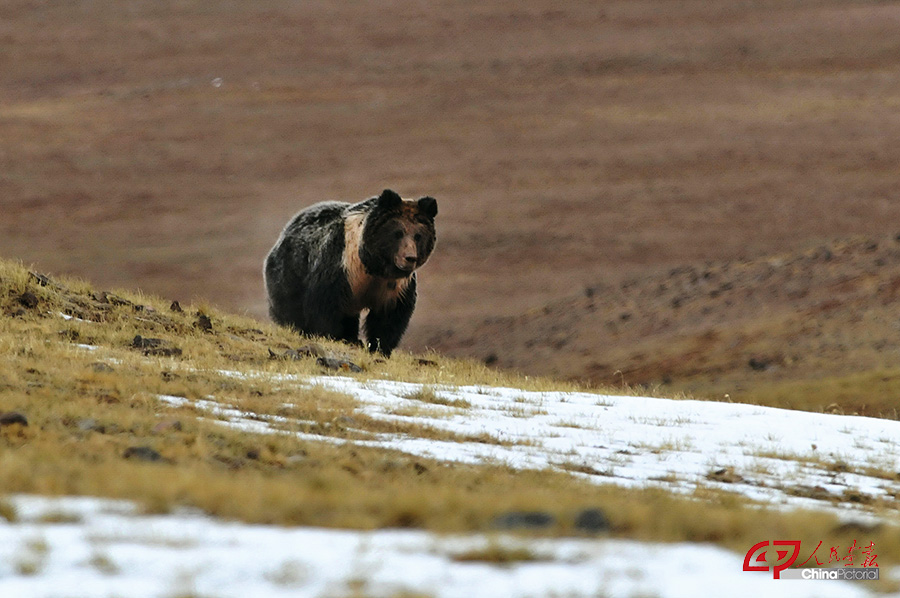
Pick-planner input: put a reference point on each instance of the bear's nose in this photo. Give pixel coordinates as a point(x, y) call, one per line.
point(411, 259)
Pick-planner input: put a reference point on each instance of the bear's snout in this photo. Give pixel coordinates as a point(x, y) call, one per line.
point(407, 262)
point(407, 257)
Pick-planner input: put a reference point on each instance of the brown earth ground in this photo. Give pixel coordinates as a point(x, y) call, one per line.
point(591, 160)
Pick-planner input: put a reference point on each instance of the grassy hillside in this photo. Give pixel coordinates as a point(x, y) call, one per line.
point(90, 371)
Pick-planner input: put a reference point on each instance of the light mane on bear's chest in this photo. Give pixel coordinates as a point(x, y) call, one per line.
point(367, 291)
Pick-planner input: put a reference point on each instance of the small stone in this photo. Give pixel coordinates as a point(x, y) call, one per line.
point(726, 475)
point(71, 335)
point(333, 363)
point(28, 300)
point(759, 364)
point(203, 322)
point(41, 279)
point(10, 418)
point(311, 350)
point(116, 300)
point(592, 521)
point(154, 346)
point(102, 368)
point(176, 307)
point(142, 342)
point(142, 453)
point(524, 520)
point(427, 363)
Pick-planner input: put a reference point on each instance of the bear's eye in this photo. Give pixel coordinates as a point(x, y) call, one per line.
point(398, 234)
point(418, 237)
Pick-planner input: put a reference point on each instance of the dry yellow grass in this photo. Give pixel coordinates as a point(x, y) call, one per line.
point(91, 394)
point(871, 393)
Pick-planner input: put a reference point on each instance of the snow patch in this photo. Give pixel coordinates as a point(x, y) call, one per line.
point(106, 548)
point(775, 456)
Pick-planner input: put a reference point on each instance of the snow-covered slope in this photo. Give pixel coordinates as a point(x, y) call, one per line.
point(99, 548)
point(789, 458)
point(795, 458)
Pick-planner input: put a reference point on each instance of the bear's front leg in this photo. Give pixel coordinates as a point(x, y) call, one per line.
point(385, 327)
point(325, 316)
point(350, 330)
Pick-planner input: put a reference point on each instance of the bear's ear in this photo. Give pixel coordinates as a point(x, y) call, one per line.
point(389, 199)
point(428, 206)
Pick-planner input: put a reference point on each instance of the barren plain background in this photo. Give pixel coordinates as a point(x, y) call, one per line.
point(699, 194)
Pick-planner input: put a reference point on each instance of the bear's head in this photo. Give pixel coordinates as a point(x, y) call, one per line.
point(398, 236)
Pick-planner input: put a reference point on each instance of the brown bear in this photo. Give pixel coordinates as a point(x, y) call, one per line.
point(335, 260)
